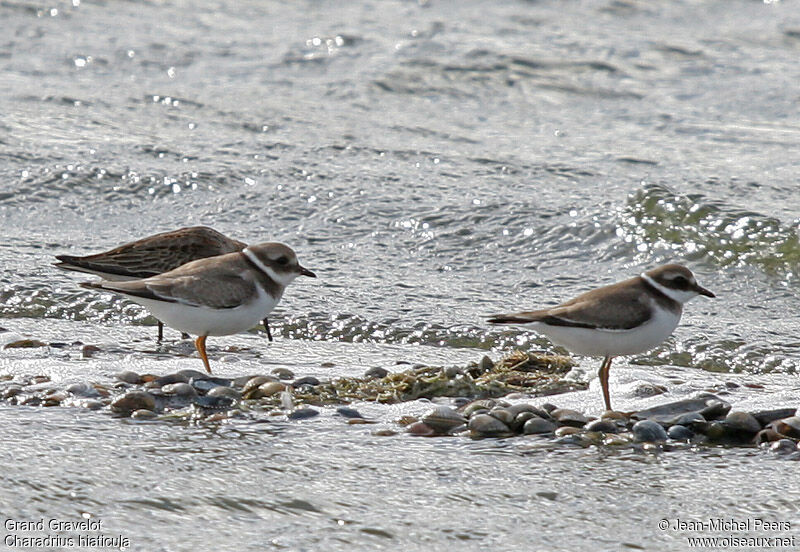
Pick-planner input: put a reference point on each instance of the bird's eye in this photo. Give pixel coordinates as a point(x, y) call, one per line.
point(681, 282)
point(282, 260)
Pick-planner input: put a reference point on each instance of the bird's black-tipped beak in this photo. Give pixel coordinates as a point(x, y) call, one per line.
point(703, 291)
point(306, 272)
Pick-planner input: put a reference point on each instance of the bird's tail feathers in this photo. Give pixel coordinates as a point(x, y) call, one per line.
point(92, 285)
point(516, 318)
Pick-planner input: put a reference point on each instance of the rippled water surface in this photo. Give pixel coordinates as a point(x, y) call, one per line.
point(433, 162)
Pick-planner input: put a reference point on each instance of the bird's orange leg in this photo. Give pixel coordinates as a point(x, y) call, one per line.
point(200, 344)
point(605, 368)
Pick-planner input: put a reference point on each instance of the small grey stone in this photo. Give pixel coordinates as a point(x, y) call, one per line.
point(502, 414)
point(716, 432)
point(376, 373)
point(190, 374)
point(267, 390)
point(708, 405)
point(692, 419)
point(647, 389)
point(302, 413)
point(133, 400)
point(743, 422)
point(538, 425)
point(180, 389)
point(143, 414)
point(715, 409)
point(515, 409)
point(519, 420)
point(283, 373)
point(310, 381)
point(486, 364)
point(483, 425)
point(128, 376)
point(348, 412)
point(568, 417)
point(618, 440)
point(476, 406)
point(226, 392)
point(421, 429)
point(680, 433)
point(567, 430)
point(604, 426)
point(241, 381)
point(255, 382)
point(647, 431)
point(172, 378)
point(549, 407)
point(516, 396)
point(92, 404)
point(443, 419)
point(82, 390)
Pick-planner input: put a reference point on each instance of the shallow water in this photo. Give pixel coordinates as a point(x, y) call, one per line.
point(251, 488)
point(433, 163)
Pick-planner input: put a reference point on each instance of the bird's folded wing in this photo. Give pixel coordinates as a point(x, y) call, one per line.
point(137, 261)
point(622, 311)
point(128, 265)
point(619, 313)
point(157, 257)
point(221, 292)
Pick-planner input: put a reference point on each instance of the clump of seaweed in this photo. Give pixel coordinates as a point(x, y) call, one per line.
point(519, 372)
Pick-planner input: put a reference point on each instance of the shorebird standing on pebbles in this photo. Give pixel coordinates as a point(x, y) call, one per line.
point(220, 295)
point(626, 318)
point(155, 255)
